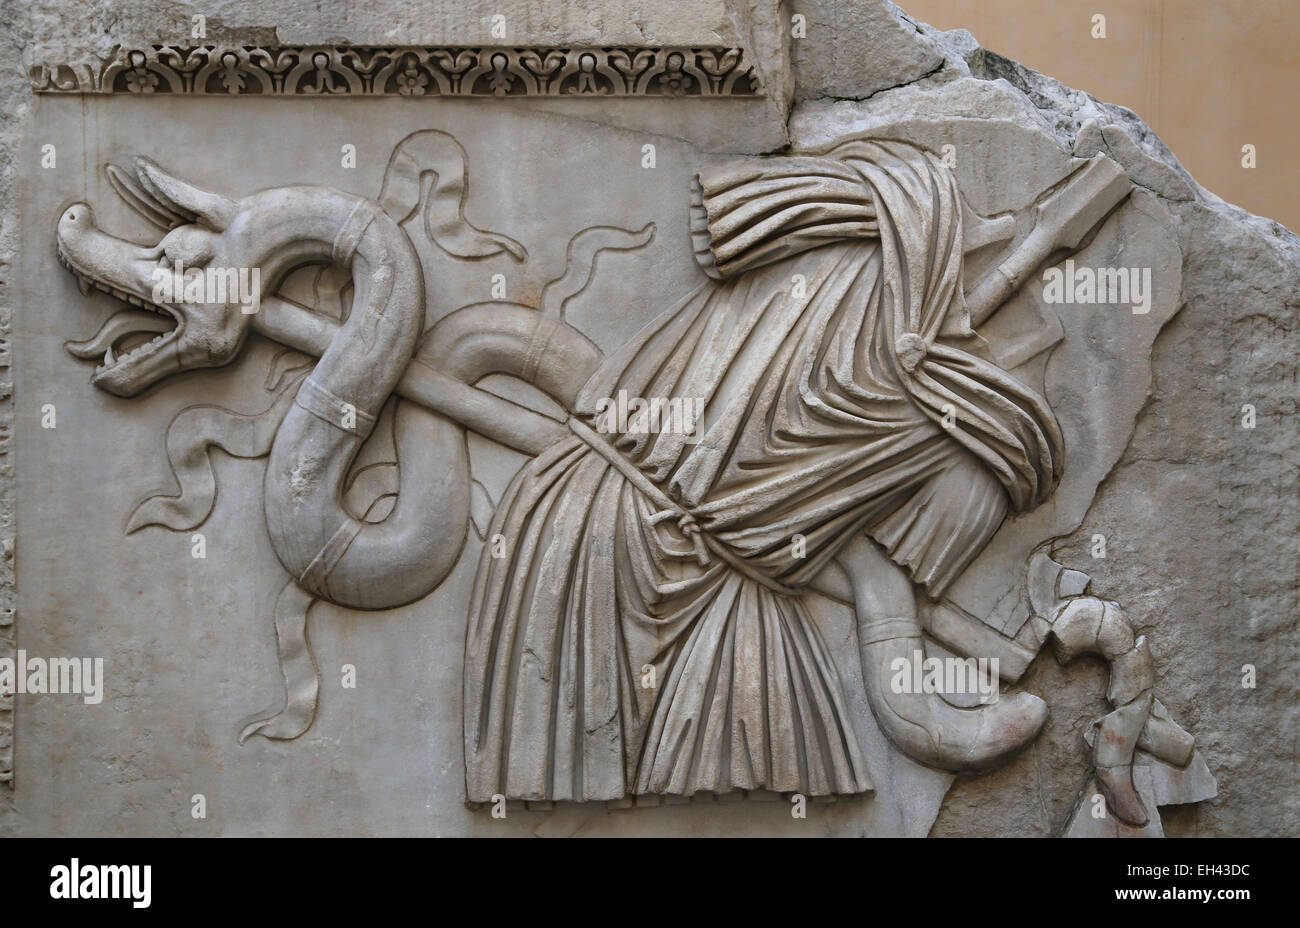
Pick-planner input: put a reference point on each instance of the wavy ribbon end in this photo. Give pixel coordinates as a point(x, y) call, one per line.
point(437, 155)
point(173, 512)
point(302, 685)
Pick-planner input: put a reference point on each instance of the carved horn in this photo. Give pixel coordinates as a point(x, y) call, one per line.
point(923, 725)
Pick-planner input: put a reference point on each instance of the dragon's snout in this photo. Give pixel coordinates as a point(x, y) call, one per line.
point(76, 225)
point(76, 217)
point(137, 345)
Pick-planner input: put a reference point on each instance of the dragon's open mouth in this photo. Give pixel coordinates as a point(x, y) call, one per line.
point(129, 336)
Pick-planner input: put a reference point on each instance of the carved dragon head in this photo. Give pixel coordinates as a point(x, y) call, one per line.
point(168, 333)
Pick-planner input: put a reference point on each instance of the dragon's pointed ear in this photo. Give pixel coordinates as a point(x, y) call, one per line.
point(212, 209)
point(141, 201)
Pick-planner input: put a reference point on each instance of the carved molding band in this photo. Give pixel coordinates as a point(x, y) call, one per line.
point(409, 72)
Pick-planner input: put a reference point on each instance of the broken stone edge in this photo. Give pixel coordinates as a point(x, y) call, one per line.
point(1084, 125)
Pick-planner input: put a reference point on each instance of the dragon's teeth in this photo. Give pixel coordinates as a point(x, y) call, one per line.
point(83, 284)
point(109, 361)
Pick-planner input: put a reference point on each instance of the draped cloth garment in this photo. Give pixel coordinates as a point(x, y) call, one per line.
point(843, 392)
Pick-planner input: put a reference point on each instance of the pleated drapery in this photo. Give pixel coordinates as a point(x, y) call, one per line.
point(839, 396)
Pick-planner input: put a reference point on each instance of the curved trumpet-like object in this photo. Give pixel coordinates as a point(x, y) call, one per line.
point(924, 725)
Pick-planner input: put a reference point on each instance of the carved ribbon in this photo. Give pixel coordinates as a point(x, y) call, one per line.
point(189, 436)
point(301, 684)
point(436, 153)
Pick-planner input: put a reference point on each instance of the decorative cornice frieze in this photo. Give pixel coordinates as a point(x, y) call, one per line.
point(408, 72)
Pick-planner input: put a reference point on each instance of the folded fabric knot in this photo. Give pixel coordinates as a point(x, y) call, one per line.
point(689, 528)
point(911, 350)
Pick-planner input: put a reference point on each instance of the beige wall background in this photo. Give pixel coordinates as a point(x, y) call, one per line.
point(1208, 75)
